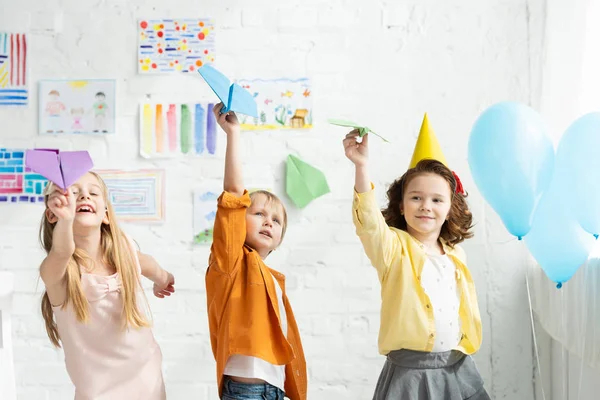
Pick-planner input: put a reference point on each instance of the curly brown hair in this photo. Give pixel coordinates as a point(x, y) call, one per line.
point(460, 219)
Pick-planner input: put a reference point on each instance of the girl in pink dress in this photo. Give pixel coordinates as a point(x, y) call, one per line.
point(93, 300)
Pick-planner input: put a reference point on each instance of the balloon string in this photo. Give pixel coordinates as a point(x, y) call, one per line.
point(564, 363)
point(585, 317)
point(535, 345)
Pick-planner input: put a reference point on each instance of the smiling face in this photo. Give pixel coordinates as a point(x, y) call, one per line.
point(426, 204)
point(91, 207)
point(265, 222)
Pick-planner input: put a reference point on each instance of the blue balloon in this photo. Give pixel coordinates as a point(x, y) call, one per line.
point(578, 165)
point(511, 159)
point(557, 241)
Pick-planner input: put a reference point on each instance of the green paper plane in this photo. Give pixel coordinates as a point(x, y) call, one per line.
point(362, 130)
point(304, 183)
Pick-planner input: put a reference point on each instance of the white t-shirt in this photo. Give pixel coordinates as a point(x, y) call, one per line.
point(254, 367)
point(439, 282)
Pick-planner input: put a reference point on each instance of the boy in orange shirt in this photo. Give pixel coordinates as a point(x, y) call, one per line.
point(253, 332)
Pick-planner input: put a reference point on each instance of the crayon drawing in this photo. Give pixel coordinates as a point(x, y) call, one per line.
point(175, 45)
point(136, 196)
point(168, 129)
point(77, 106)
point(13, 69)
point(17, 183)
point(282, 104)
point(205, 210)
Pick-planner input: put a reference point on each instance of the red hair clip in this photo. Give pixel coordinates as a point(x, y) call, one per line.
point(459, 186)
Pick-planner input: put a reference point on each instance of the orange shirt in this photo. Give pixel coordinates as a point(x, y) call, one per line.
point(243, 311)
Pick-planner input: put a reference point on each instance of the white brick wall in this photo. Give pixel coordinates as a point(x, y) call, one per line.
point(382, 62)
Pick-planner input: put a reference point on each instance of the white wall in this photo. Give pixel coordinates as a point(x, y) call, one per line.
point(382, 62)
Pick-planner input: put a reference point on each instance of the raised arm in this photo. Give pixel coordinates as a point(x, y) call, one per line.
point(60, 213)
point(233, 181)
point(358, 153)
point(229, 233)
point(379, 242)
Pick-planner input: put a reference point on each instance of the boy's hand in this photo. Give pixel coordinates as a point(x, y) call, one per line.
point(227, 121)
point(356, 152)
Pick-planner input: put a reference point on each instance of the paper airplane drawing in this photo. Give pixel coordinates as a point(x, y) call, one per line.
point(234, 97)
point(63, 168)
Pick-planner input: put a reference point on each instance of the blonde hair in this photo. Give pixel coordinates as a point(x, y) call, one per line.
point(116, 251)
point(273, 198)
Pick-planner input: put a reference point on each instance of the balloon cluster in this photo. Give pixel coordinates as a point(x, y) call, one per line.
point(552, 200)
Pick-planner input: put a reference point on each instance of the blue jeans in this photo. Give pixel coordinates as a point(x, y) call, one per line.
point(247, 391)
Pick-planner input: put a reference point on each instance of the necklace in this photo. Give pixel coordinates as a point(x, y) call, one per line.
point(430, 250)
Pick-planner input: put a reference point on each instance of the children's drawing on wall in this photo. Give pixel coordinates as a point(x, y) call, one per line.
point(53, 110)
point(100, 109)
point(175, 45)
point(77, 115)
point(205, 210)
point(19, 184)
point(13, 69)
point(136, 196)
point(176, 129)
point(77, 106)
point(282, 104)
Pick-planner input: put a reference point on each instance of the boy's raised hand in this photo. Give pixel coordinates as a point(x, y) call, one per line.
point(357, 152)
point(62, 205)
point(227, 121)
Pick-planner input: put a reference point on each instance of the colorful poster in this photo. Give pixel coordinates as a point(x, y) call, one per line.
point(172, 129)
point(175, 45)
point(13, 69)
point(17, 183)
point(77, 106)
point(205, 210)
point(136, 196)
point(282, 104)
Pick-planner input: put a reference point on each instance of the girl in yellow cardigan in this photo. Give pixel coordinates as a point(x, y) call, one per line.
point(430, 322)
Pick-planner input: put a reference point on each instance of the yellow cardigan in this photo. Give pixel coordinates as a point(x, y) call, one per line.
point(407, 319)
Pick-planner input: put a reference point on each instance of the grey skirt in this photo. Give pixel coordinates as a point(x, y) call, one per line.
point(415, 375)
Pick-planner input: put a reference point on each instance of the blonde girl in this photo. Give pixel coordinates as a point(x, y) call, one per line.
point(93, 301)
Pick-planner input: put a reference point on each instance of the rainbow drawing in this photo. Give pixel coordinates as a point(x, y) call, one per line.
point(176, 129)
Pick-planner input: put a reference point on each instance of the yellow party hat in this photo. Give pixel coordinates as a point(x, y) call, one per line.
point(427, 146)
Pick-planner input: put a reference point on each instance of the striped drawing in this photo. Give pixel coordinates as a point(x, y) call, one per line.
point(13, 69)
point(17, 183)
point(136, 196)
point(175, 129)
point(175, 45)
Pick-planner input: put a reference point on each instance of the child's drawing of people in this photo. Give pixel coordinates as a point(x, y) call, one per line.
point(54, 108)
point(100, 108)
point(77, 115)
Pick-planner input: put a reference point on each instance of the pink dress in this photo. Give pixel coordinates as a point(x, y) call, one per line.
point(104, 361)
